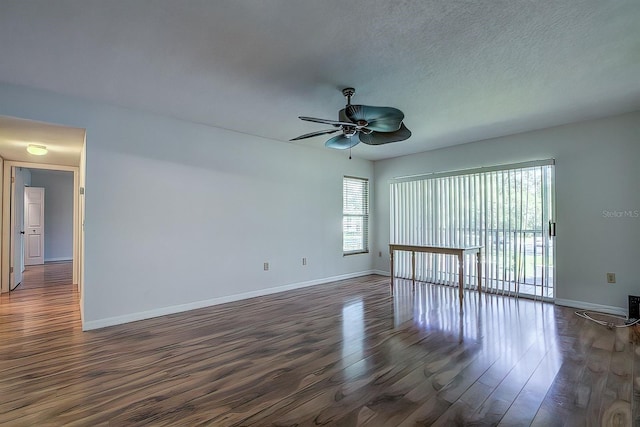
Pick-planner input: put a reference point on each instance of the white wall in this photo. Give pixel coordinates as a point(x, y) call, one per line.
point(597, 169)
point(58, 212)
point(179, 213)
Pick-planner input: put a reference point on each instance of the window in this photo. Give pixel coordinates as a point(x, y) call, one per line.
point(508, 210)
point(355, 219)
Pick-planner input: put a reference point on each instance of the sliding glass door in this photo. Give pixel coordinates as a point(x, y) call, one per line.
point(509, 210)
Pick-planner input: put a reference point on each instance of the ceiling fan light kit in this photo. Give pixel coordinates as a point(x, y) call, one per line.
point(361, 123)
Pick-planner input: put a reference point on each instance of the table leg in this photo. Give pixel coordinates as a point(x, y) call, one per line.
point(461, 278)
point(479, 267)
point(413, 269)
point(391, 284)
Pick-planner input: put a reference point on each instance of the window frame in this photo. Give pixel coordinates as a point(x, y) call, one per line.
point(509, 210)
point(364, 215)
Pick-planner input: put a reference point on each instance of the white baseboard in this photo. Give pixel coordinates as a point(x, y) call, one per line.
point(118, 320)
point(609, 309)
point(64, 258)
point(381, 273)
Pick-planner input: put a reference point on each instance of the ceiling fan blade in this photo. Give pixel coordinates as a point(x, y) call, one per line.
point(326, 122)
point(312, 134)
point(379, 119)
point(379, 138)
point(341, 142)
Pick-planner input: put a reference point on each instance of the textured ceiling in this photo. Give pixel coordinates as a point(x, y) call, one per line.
point(460, 70)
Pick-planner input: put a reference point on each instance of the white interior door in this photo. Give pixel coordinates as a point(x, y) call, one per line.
point(34, 225)
point(15, 260)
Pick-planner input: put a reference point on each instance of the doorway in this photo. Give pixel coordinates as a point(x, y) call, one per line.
point(64, 150)
point(12, 244)
point(41, 226)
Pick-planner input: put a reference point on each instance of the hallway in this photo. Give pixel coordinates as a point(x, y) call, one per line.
point(46, 275)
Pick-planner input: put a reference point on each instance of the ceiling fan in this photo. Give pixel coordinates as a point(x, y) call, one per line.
point(361, 123)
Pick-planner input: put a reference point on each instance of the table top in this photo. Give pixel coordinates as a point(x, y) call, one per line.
point(430, 248)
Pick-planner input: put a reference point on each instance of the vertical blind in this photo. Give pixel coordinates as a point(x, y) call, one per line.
point(507, 210)
point(355, 215)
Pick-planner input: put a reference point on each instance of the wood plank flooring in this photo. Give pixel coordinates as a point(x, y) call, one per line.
point(46, 275)
point(343, 354)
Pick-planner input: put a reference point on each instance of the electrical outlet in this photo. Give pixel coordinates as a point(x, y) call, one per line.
point(304, 261)
point(379, 253)
point(611, 277)
point(634, 307)
point(266, 266)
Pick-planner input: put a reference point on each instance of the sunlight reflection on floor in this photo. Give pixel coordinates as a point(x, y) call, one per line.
point(435, 308)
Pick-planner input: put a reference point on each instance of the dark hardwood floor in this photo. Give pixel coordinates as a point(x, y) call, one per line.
point(342, 354)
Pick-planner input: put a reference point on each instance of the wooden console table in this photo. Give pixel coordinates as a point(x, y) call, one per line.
point(459, 252)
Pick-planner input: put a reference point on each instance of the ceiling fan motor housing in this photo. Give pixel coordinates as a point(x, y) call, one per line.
point(349, 131)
